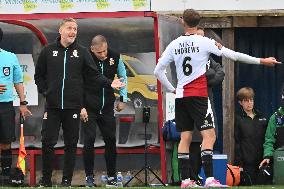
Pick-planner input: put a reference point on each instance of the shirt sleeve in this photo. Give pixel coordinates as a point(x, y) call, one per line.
point(121, 73)
point(17, 70)
point(212, 47)
point(40, 73)
point(236, 56)
point(160, 69)
point(268, 145)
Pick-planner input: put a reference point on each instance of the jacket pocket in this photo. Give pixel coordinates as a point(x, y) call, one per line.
point(53, 93)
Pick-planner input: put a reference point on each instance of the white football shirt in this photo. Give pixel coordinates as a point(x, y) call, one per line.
point(190, 54)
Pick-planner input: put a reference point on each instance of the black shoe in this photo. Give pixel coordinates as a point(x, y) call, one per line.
point(111, 182)
point(44, 183)
point(66, 183)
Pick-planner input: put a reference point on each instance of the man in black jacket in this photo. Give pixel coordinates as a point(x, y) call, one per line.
point(214, 76)
point(250, 127)
point(98, 111)
point(59, 76)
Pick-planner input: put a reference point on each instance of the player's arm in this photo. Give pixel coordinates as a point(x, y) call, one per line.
point(160, 69)
point(18, 84)
point(241, 57)
point(40, 73)
point(121, 73)
point(237, 56)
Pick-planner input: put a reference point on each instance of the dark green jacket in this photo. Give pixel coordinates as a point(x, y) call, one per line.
point(270, 139)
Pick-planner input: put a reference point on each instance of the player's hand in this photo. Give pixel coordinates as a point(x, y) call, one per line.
point(264, 162)
point(117, 83)
point(84, 115)
point(24, 111)
point(219, 45)
point(271, 61)
point(120, 106)
point(2, 88)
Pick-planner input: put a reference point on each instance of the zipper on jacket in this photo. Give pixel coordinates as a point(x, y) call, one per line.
point(63, 79)
point(103, 100)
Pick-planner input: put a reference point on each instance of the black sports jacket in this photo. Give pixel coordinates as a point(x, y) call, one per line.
point(59, 74)
point(98, 98)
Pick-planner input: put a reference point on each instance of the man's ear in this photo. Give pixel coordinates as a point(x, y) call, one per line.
point(60, 30)
point(92, 48)
point(240, 102)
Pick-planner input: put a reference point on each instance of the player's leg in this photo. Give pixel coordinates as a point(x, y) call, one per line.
point(7, 135)
point(185, 125)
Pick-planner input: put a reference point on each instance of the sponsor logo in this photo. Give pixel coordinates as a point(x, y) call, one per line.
point(207, 122)
point(75, 54)
point(55, 53)
point(111, 61)
point(6, 71)
point(75, 116)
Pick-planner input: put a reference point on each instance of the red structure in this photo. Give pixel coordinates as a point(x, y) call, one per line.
point(23, 20)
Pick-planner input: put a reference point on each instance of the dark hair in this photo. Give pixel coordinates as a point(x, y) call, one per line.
point(1, 34)
point(191, 17)
point(245, 93)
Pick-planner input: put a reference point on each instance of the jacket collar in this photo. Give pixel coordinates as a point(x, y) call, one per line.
point(109, 55)
point(255, 111)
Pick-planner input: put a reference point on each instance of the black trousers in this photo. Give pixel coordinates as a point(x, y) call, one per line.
point(106, 124)
point(256, 176)
point(69, 119)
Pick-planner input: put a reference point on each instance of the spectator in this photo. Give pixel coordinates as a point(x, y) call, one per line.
point(274, 136)
point(250, 127)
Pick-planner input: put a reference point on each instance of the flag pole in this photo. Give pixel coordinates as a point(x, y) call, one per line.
point(21, 164)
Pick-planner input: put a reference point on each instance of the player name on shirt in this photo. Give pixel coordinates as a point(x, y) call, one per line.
point(186, 47)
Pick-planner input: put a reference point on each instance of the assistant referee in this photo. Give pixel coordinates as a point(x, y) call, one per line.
point(11, 76)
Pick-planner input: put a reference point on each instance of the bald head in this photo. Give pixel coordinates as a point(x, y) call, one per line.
point(99, 47)
point(98, 40)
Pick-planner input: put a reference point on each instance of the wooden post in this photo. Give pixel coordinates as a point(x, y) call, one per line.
point(228, 96)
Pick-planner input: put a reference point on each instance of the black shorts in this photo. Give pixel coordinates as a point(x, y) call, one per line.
point(7, 123)
point(190, 111)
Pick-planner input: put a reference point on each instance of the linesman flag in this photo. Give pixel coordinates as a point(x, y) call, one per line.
point(21, 164)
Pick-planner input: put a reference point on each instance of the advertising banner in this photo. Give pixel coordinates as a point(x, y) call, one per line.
point(71, 6)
